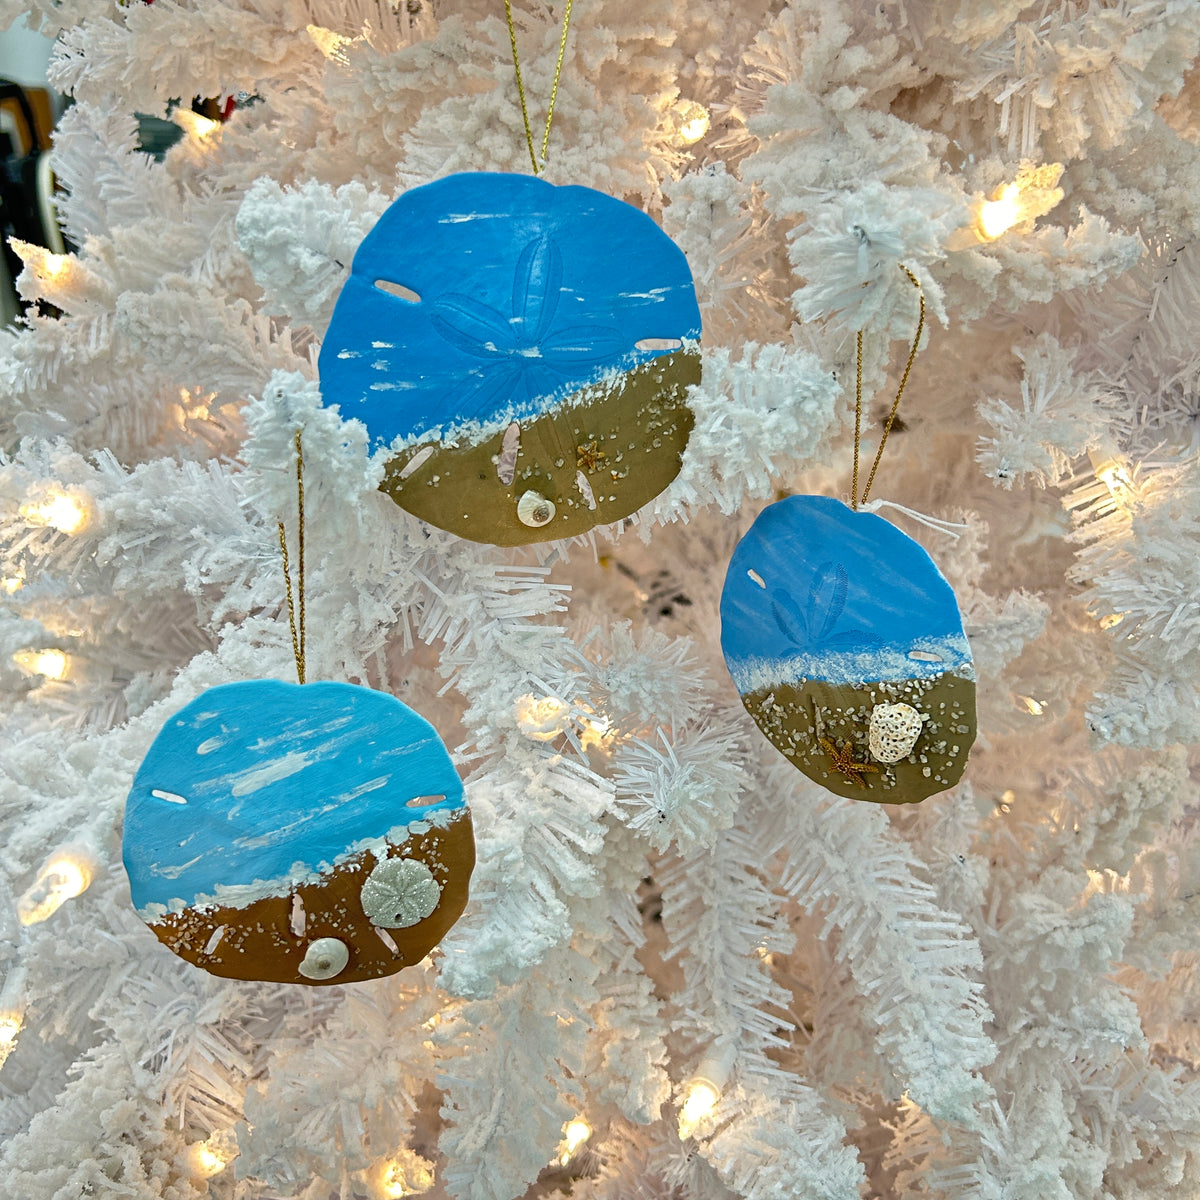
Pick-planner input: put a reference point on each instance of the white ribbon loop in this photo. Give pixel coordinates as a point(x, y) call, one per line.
point(952, 529)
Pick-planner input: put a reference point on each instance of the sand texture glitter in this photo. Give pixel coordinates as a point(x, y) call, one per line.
point(797, 716)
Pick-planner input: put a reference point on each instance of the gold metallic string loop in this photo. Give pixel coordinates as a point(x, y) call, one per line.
point(297, 636)
point(855, 499)
point(562, 50)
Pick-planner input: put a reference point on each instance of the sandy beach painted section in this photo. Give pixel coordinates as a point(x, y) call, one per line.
point(625, 437)
point(267, 939)
point(797, 716)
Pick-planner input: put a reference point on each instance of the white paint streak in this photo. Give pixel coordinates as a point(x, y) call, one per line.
point(250, 782)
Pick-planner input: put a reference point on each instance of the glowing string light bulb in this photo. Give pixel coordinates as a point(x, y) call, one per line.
point(1032, 194)
point(10, 1027)
point(196, 125)
point(1112, 471)
point(575, 1133)
point(206, 1162)
point(404, 1174)
point(50, 664)
point(12, 1011)
point(999, 216)
point(332, 45)
point(705, 1087)
point(213, 1155)
point(693, 121)
point(544, 718)
point(64, 875)
point(67, 511)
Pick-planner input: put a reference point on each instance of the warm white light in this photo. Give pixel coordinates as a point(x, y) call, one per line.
point(700, 1104)
point(595, 733)
point(704, 1089)
point(52, 266)
point(206, 1159)
point(694, 122)
point(1112, 620)
point(198, 126)
point(1115, 476)
point(1033, 193)
point(575, 1134)
point(13, 583)
point(10, 1026)
point(52, 664)
point(64, 511)
point(332, 45)
point(62, 877)
point(406, 1174)
point(998, 216)
point(193, 406)
point(542, 719)
point(1033, 707)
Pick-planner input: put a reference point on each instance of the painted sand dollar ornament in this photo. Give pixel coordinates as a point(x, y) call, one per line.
point(525, 349)
point(847, 647)
point(298, 834)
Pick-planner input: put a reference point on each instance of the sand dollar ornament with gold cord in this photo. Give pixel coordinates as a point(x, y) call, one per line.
point(525, 349)
point(847, 646)
point(308, 833)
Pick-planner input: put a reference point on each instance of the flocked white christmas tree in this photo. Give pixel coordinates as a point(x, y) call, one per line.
point(685, 971)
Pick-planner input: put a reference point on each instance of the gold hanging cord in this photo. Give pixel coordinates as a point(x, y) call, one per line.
point(297, 638)
point(562, 49)
point(855, 498)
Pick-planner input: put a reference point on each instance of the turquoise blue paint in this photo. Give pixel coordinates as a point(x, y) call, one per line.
point(844, 597)
point(527, 293)
point(276, 779)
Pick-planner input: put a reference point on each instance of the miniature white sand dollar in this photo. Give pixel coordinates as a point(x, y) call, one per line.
point(893, 731)
point(399, 892)
point(324, 958)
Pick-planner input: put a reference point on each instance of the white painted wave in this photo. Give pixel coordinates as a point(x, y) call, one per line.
point(925, 659)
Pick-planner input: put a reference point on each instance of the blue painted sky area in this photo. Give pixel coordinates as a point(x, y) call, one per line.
point(816, 590)
point(525, 292)
point(259, 776)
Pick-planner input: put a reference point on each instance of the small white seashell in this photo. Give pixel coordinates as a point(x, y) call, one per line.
point(325, 958)
point(534, 510)
point(400, 892)
point(893, 731)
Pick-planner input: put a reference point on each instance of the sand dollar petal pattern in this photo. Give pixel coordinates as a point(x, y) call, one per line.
point(504, 336)
point(400, 892)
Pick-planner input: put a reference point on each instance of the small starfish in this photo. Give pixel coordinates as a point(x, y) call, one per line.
point(589, 457)
point(844, 763)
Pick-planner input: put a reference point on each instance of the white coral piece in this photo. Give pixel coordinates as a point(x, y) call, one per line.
point(893, 731)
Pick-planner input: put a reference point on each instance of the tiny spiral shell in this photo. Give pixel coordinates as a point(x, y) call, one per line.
point(325, 958)
point(534, 510)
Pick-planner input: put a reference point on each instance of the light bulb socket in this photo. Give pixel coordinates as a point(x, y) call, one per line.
point(715, 1067)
